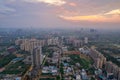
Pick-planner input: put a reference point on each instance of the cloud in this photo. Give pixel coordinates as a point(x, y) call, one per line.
point(83, 18)
point(51, 2)
point(6, 10)
point(73, 4)
point(113, 12)
point(102, 17)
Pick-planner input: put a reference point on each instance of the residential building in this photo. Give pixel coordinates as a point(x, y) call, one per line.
point(37, 57)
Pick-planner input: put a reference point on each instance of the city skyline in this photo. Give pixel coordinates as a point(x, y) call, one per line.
point(60, 14)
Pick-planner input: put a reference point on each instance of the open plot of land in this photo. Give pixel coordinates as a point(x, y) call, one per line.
point(85, 63)
point(16, 68)
point(5, 60)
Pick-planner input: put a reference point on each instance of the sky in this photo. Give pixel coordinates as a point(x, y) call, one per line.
point(71, 14)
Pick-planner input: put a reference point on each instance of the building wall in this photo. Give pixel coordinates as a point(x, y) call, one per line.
point(37, 55)
point(112, 68)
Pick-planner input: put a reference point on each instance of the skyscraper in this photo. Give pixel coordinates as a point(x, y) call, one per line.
point(37, 57)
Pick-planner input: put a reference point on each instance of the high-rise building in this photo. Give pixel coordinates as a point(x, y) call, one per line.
point(119, 74)
point(30, 44)
point(77, 43)
point(37, 57)
point(98, 58)
point(18, 41)
point(86, 40)
point(112, 68)
point(53, 41)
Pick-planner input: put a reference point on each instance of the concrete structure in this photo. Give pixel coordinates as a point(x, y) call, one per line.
point(53, 41)
point(84, 75)
point(18, 41)
point(37, 57)
point(86, 40)
point(64, 49)
point(29, 44)
point(99, 59)
point(119, 74)
point(78, 77)
point(112, 68)
point(84, 50)
point(77, 43)
point(28, 60)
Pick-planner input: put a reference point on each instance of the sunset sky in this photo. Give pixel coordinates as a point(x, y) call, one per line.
point(60, 13)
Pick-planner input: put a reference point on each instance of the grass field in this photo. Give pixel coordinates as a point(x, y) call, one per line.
point(16, 68)
point(84, 62)
point(4, 60)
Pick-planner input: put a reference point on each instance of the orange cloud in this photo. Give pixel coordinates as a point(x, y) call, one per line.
point(73, 4)
point(113, 12)
point(106, 17)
